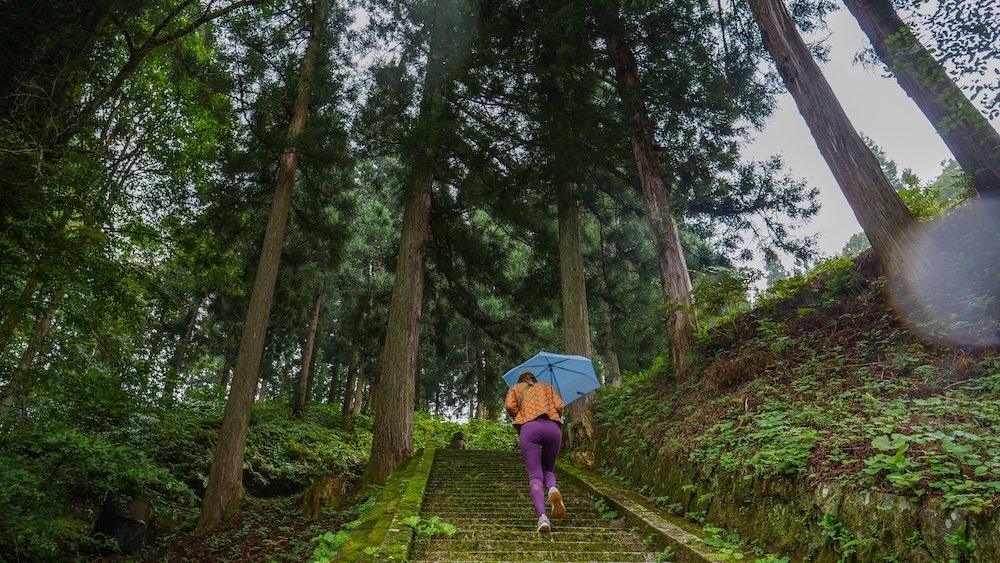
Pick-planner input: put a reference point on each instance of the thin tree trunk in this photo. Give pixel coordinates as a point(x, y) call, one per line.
point(225, 482)
point(18, 384)
point(576, 320)
point(392, 435)
point(479, 364)
point(302, 384)
point(352, 382)
point(610, 350)
point(14, 318)
point(173, 375)
point(316, 374)
point(285, 381)
point(882, 214)
point(262, 391)
point(969, 136)
point(656, 195)
point(227, 362)
point(224, 374)
point(358, 403)
point(334, 388)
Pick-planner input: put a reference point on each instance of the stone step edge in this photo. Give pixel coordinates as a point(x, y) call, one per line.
point(639, 512)
point(399, 537)
point(383, 527)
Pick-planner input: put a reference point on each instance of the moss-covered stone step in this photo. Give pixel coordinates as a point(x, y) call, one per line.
point(485, 495)
point(539, 556)
point(576, 545)
point(526, 533)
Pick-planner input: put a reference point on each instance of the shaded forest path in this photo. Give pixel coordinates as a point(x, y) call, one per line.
point(485, 495)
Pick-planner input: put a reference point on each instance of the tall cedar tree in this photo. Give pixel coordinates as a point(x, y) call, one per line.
point(392, 434)
point(968, 135)
point(225, 482)
point(883, 215)
point(576, 322)
point(302, 384)
point(656, 193)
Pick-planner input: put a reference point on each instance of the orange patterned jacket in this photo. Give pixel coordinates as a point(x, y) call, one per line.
point(541, 399)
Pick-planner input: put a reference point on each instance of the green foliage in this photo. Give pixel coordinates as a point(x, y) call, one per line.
point(289, 455)
point(665, 556)
point(480, 434)
point(607, 513)
point(961, 540)
point(927, 202)
point(846, 543)
point(329, 545)
point(769, 441)
point(429, 527)
point(54, 474)
point(719, 293)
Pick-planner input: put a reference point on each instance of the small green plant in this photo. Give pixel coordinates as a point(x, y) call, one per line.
point(606, 512)
point(666, 555)
point(966, 545)
point(329, 545)
point(846, 543)
point(429, 527)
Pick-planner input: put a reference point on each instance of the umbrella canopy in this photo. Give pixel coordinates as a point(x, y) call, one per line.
point(572, 376)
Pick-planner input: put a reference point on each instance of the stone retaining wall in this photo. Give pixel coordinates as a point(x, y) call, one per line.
point(787, 515)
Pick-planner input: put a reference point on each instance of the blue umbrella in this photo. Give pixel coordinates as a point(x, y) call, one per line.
point(572, 376)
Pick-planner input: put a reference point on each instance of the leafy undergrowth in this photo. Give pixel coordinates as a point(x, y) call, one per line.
point(431, 431)
point(60, 468)
point(271, 530)
point(64, 468)
point(822, 380)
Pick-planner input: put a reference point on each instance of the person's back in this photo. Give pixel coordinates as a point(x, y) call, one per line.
point(537, 412)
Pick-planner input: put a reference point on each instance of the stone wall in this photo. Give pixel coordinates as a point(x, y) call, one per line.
point(795, 518)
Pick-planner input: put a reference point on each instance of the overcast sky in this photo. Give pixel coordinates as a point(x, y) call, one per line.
point(877, 106)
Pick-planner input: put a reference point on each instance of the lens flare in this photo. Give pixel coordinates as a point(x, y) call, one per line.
point(955, 300)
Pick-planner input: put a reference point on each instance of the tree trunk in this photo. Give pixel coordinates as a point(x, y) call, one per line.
point(227, 363)
point(18, 381)
point(969, 136)
point(352, 382)
point(285, 382)
point(576, 322)
point(358, 401)
point(392, 435)
point(481, 385)
point(302, 384)
point(173, 374)
point(656, 195)
point(334, 388)
point(14, 318)
point(261, 391)
point(315, 374)
point(610, 350)
point(882, 214)
point(225, 482)
point(392, 441)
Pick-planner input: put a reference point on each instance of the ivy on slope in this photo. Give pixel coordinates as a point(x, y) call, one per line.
point(822, 381)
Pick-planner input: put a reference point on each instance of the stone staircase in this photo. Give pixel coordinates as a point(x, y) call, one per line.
point(485, 494)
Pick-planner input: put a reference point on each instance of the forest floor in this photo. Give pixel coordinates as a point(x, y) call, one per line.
point(267, 530)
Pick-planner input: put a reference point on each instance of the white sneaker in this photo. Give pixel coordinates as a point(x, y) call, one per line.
point(544, 525)
point(558, 508)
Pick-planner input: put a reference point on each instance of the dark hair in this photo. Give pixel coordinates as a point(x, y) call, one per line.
point(526, 376)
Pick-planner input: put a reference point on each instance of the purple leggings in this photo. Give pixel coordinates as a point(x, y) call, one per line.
point(540, 441)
